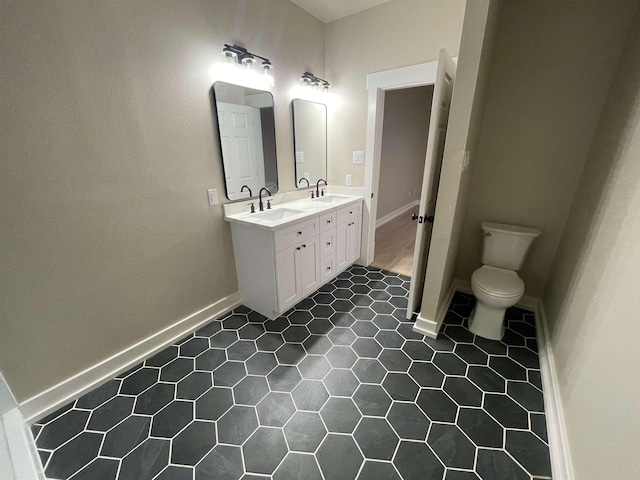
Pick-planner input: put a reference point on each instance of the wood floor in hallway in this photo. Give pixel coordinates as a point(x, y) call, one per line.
point(395, 241)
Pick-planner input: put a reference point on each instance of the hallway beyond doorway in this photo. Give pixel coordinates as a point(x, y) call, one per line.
point(395, 242)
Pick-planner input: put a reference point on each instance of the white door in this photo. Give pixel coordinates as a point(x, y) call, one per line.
point(242, 152)
point(433, 163)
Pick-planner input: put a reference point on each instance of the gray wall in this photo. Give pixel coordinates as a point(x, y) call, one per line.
point(107, 151)
point(395, 34)
point(554, 63)
point(405, 130)
point(592, 299)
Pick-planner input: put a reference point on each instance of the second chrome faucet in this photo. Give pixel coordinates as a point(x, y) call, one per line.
point(260, 204)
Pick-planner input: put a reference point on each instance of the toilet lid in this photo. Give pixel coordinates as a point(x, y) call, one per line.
point(498, 282)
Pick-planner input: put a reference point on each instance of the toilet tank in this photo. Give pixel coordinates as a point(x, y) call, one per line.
point(506, 246)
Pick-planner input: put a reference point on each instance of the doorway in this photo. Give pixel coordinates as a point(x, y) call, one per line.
point(405, 128)
point(441, 75)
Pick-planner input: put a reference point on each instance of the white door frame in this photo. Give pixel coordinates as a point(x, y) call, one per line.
point(377, 84)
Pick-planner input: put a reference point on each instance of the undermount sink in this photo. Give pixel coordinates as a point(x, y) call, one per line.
point(277, 214)
point(329, 199)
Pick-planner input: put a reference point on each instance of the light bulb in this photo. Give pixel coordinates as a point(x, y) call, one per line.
point(248, 63)
point(230, 57)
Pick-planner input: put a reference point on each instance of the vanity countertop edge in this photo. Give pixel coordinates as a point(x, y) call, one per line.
point(308, 209)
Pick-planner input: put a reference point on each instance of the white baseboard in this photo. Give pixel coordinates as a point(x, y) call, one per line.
point(23, 462)
point(431, 327)
point(59, 395)
point(396, 213)
point(561, 466)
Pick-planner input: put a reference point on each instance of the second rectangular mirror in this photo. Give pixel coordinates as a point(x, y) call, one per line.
point(309, 140)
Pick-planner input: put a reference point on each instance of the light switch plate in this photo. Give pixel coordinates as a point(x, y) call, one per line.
point(213, 196)
point(299, 157)
point(358, 157)
point(348, 180)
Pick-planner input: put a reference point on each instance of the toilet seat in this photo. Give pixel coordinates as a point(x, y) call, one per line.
point(497, 282)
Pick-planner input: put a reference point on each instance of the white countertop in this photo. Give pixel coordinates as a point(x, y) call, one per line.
point(290, 212)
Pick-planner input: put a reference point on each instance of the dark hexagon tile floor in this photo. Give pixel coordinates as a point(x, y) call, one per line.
point(340, 387)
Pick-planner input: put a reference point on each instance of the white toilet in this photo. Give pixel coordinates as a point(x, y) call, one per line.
point(496, 285)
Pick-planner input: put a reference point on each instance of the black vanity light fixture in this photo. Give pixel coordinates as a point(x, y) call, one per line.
point(308, 79)
point(235, 55)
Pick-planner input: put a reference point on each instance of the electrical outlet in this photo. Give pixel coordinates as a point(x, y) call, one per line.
point(299, 157)
point(213, 196)
point(358, 157)
point(348, 181)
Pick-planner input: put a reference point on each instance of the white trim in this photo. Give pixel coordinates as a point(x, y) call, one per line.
point(429, 327)
point(23, 460)
point(377, 84)
point(57, 396)
point(7, 400)
point(561, 466)
point(396, 213)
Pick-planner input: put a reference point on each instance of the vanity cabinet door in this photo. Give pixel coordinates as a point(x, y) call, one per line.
point(342, 247)
point(354, 232)
point(309, 260)
point(288, 278)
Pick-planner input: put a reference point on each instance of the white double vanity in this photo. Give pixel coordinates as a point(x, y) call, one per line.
point(285, 253)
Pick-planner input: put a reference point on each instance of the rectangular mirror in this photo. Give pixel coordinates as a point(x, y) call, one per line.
point(309, 140)
point(246, 130)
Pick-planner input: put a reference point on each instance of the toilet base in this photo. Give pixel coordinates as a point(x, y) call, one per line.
point(487, 322)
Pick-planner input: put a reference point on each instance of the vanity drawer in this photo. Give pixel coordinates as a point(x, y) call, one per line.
point(328, 221)
point(289, 236)
point(349, 212)
point(328, 242)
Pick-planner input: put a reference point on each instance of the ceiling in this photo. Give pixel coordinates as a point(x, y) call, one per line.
point(329, 10)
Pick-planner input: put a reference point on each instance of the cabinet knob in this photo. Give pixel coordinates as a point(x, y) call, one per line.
point(328, 244)
point(299, 233)
point(297, 248)
point(329, 221)
point(304, 246)
point(328, 268)
point(350, 213)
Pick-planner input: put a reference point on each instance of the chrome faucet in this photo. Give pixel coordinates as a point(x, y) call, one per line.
point(260, 204)
point(247, 187)
point(303, 178)
point(318, 187)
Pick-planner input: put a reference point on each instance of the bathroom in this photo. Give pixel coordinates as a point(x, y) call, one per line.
point(108, 151)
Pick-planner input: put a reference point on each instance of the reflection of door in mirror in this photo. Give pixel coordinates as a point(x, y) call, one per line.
point(309, 140)
point(242, 153)
point(247, 139)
